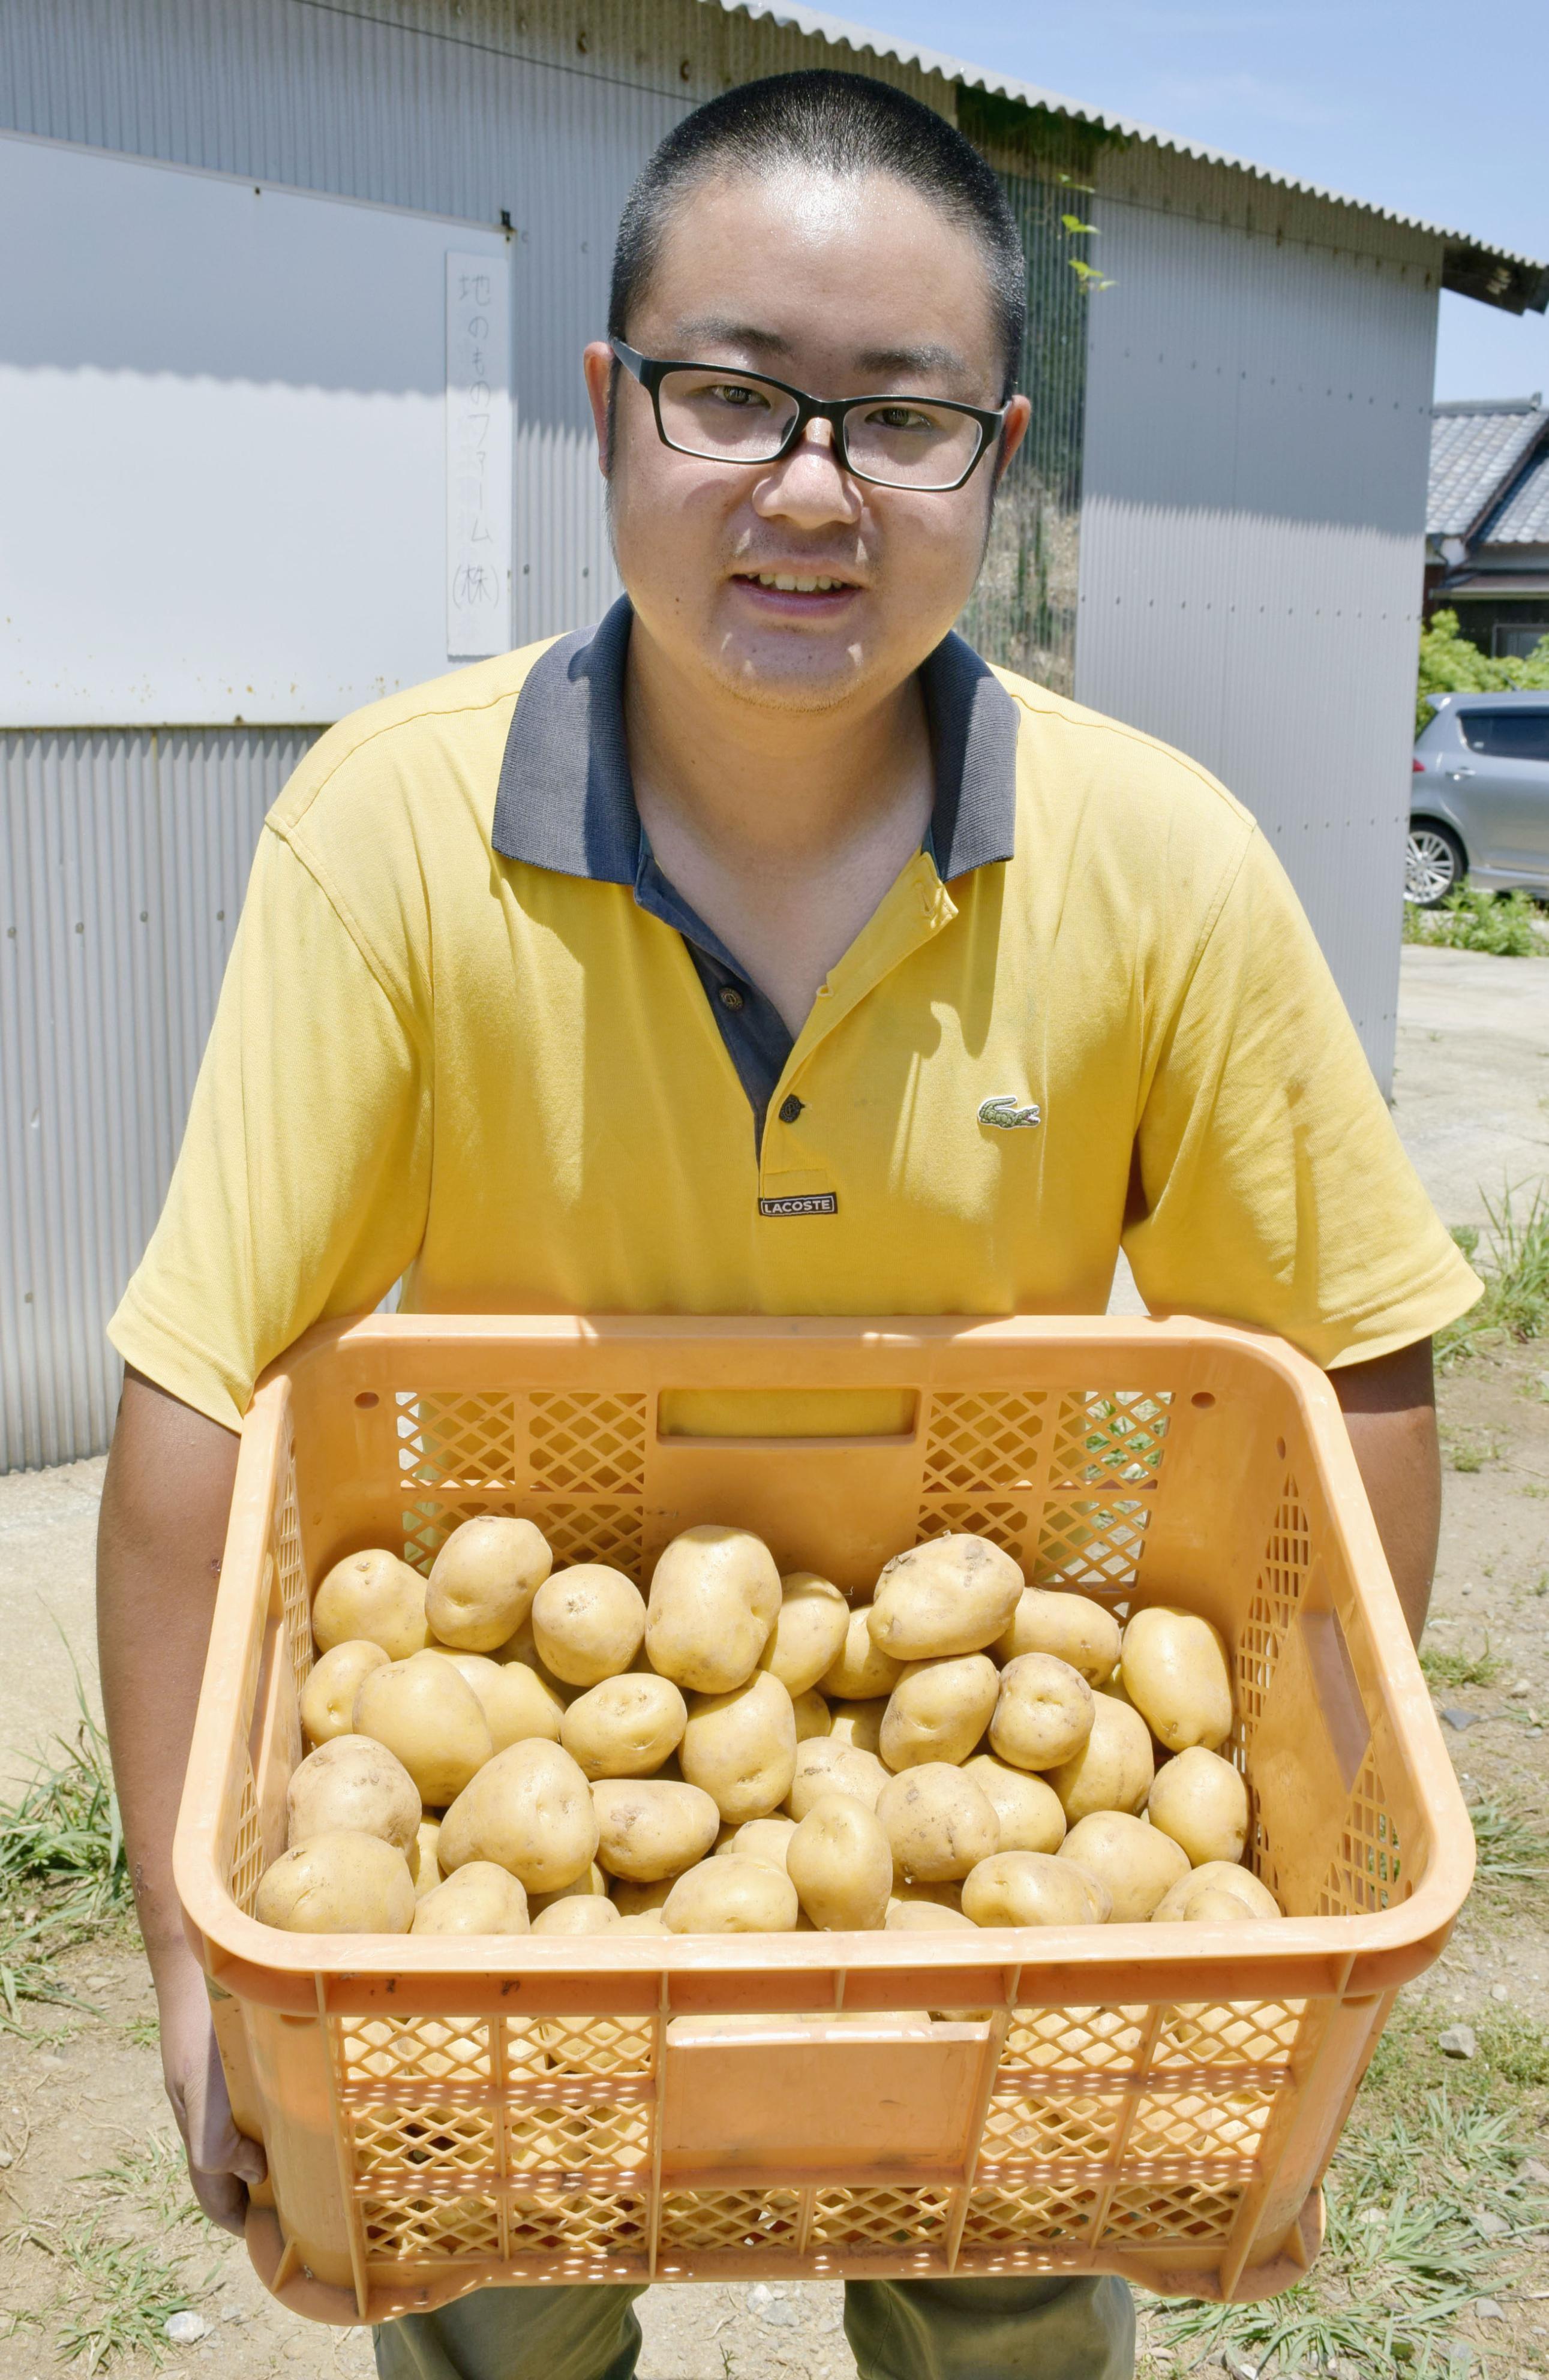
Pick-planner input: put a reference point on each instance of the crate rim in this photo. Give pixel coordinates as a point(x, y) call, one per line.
point(1268, 1958)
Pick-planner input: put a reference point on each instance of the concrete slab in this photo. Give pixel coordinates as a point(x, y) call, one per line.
point(1471, 1083)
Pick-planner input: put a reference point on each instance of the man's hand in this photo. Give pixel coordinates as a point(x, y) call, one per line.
point(164, 1505)
point(1390, 1412)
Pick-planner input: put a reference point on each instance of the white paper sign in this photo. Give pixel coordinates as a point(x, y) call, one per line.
point(478, 457)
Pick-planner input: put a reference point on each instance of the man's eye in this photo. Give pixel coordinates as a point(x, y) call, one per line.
point(901, 416)
point(732, 393)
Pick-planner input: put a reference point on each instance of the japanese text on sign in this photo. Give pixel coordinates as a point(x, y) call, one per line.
point(478, 457)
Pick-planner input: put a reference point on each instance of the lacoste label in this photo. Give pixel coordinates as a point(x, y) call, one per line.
point(820, 1202)
point(1006, 1116)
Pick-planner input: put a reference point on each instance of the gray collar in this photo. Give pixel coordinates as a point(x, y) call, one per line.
point(565, 801)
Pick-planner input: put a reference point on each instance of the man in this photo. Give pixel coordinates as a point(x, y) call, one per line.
point(760, 952)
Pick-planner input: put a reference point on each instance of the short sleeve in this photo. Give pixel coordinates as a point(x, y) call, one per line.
point(300, 1189)
point(1276, 1189)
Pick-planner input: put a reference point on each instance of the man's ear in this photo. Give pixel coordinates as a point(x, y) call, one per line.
point(1019, 414)
point(602, 371)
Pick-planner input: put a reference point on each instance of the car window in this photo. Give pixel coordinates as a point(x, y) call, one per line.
point(1508, 735)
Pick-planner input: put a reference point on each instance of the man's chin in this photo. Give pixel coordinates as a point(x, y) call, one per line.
point(788, 673)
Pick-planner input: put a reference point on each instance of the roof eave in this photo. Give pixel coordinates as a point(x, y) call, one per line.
point(1495, 276)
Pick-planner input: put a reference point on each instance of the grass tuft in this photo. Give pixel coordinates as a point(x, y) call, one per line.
point(113, 2296)
point(152, 2176)
point(64, 1875)
point(1512, 1259)
point(1444, 1669)
point(1510, 1846)
point(1507, 925)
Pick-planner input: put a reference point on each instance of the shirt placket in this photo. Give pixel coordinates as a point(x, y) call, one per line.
point(797, 1168)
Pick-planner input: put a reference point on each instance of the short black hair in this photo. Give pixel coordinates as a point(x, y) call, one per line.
point(836, 124)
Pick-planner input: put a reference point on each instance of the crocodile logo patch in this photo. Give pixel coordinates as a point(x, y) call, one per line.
point(1006, 1116)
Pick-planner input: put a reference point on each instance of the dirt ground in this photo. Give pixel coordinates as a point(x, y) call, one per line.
point(92, 2209)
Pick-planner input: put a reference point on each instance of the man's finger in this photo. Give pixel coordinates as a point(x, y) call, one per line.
point(223, 2198)
point(215, 2147)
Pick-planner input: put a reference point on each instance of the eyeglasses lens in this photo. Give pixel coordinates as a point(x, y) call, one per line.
point(901, 442)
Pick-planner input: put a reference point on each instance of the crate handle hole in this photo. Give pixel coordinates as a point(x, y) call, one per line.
point(367, 1398)
point(1203, 1397)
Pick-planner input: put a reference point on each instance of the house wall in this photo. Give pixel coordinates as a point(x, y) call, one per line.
point(1254, 505)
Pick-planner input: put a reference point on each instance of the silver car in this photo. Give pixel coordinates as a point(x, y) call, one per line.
point(1479, 799)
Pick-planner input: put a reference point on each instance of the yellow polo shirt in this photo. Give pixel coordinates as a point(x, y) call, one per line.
point(465, 1037)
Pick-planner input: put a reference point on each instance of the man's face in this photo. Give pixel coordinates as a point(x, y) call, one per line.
point(843, 287)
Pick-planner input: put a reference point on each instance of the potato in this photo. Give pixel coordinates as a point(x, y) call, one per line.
point(1200, 1800)
point(328, 1696)
point(1137, 1862)
point(588, 1623)
point(353, 1785)
point(1070, 1626)
point(924, 1917)
point(583, 1914)
point(483, 1579)
point(1033, 1888)
point(523, 1648)
point(529, 1810)
point(338, 1882)
point(939, 1822)
point(1044, 1712)
point(740, 1747)
point(630, 1899)
point(954, 1595)
point(824, 1766)
point(1219, 1893)
point(731, 1895)
point(642, 1921)
point(624, 1727)
point(479, 1899)
point(649, 1828)
point(1113, 1768)
point(423, 1865)
point(375, 1595)
point(430, 1716)
point(841, 1863)
point(590, 1885)
point(861, 1672)
point(1028, 1807)
point(516, 1702)
point(812, 1714)
point(861, 1724)
point(940, 1896)
point(714, 1597)
point(938, 1710)
point(765, 1839)
point(1176, 1675)
point(809, 1631)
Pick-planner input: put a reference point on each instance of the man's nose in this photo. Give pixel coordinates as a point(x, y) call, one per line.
point(809, 487)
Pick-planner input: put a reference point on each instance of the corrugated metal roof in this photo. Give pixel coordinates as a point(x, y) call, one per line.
point(1474, 451)
point(1524, 518)
point(1497, 276)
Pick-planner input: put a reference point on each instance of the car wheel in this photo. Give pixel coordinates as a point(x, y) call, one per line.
point(1434, 864)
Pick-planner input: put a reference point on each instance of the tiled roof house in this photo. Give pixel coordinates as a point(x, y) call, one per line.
point(1487, 520)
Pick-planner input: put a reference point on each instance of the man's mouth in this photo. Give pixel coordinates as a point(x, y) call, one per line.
point(795, 582)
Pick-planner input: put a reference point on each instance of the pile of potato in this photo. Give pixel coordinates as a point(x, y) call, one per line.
point(506, 1747)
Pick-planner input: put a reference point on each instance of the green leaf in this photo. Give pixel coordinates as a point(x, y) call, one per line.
point(1074, 223)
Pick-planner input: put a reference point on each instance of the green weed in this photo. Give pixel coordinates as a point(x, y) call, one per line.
point(1512, 1259)
point(1510, 1846)
point(1444, 1669)
point(62, 1871)
point(113, 2296)
point(152, 2175)
point(1506, 926)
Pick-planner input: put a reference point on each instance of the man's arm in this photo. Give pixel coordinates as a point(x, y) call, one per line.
point(1390, 1412)
point(163, 1517)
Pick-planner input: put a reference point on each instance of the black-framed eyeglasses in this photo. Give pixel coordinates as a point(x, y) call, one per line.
point(725, 415)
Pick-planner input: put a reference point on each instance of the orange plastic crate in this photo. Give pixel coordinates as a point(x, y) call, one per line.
point(1155, 2101)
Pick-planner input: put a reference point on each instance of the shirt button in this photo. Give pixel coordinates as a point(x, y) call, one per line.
point(729, 996)
point(790, 1108)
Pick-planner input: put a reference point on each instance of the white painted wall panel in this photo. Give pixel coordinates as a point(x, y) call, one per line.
point(1257, 431)
point(223, 477)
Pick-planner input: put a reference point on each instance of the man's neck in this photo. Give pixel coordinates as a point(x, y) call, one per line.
point(782, 829)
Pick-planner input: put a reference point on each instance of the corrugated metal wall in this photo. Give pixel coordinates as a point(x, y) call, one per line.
point(123, 861)
point(1256, 431)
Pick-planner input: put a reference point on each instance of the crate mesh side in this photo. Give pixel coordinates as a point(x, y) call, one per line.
point(246, 1849)
point(982, 1441)
point(1110, 1437)
point(291, 1573)
point(1091, 1546)
point(751, 2221)
point(1367, 1872)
